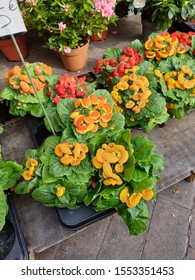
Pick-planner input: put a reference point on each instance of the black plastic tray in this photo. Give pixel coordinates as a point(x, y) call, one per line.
point(15, 244)
point(84, 215)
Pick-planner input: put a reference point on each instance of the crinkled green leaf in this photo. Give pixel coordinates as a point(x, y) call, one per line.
point(3, 208)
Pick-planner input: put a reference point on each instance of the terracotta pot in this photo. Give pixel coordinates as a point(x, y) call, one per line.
point(95, 36)
point(75, 60)
point(8, 48)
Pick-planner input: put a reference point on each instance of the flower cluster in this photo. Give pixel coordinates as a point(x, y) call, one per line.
point(182, 79)
point(68, 24)
point(71, 153)
point(133, 200)
point(177, 83)
point(116, 66)
point(69, 87)
point(162, 46)
point(185, 39)
point(98, 112)
point(19, 80)
point(105, 7)
point(30, 165)
point(138, 94)
point(21, 90)
point(110, 158)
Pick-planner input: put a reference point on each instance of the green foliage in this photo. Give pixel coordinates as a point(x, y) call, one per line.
point(81, 19)
point(164, 12)
point(10, 172)
point(143, 167)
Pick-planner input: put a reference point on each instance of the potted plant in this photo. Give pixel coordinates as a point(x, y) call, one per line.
point(94, 161)
point(20, 92)
point(159, 15)
point(69, 24)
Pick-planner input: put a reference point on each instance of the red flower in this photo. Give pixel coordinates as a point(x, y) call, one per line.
point(70, 87)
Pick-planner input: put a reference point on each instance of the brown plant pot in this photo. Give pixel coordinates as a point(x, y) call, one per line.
point(8, 48)
point(95, 36)
point(75, 60)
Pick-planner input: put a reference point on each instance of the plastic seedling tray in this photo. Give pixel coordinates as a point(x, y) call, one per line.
point(73, 219)
point(12, 242)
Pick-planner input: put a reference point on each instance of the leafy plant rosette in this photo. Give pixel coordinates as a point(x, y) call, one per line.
point(59, 173)
point(128, 173)
point(10, 172)
point(20, 91)
point(177, 81)
point(106, 172)
point(138, 98)
point(115, 63)
point(84, 118)
point(65, 86)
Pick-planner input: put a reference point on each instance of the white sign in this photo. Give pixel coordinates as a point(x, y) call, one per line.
point(11, 21)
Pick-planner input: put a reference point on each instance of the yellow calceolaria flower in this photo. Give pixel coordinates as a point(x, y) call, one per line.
point(182, 79)
point(26, 175)
point(133, 200)
point(158, 73)
point(110, 158)
point(71, 153)
point(123, 85)
point(147, 194)
point(30, 164)
point(116, 97)
point(124, 195)
point(60, 191)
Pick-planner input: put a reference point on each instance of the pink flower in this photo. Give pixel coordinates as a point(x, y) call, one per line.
point(105, 7)
point(67, 50)
point(61, 26)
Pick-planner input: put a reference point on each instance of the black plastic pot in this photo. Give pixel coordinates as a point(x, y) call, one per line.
point(184, 26)
point(73, 219)
point(12, 242)
point(4, 111)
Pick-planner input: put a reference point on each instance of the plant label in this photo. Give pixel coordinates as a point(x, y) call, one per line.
point(11, 21)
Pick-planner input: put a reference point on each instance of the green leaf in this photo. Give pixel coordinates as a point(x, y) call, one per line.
point(26, 186)
point(3, 208)
point(143, 148)
point(112, 53)
point(8, 93)
point(146, 183)
point(139, 175)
